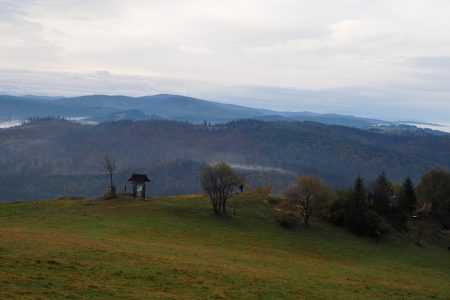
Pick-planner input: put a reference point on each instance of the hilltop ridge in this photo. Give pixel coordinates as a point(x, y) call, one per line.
point(99, 108)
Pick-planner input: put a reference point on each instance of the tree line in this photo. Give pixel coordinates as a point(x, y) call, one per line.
point(365, 209)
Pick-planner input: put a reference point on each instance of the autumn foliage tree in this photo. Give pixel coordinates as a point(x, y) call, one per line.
point(308, 196)
point(434, 188)
point(219, 181)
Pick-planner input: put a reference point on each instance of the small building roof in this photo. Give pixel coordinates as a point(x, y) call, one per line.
point(139, 178)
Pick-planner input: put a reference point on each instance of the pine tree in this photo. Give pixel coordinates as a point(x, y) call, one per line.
point(359, 191)
point(407, 197)
point(382, 193)
point(358, 217)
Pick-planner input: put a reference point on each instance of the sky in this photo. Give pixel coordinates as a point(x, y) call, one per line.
point(381, 58)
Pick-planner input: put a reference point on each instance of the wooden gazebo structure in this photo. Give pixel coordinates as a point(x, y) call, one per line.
point(139, 181)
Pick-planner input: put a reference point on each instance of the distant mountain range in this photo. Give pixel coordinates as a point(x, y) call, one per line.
point(102, 108)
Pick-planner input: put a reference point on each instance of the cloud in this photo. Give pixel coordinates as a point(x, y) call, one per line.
point(195, 50)
point(411, 102)
point(389, 46)
point(22, 41)
point(431, 62)
point(344, 36)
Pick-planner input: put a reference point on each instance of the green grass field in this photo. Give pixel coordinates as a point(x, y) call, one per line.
point(176, 248)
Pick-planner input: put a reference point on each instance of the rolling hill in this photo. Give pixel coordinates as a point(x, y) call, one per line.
point(51, 158)
point(175, 248)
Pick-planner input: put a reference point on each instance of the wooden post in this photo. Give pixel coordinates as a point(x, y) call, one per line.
point(134, 190)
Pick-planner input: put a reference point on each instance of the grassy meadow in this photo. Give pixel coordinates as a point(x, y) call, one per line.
point(174, 247)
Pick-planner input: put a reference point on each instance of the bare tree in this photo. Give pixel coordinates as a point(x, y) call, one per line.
point(309, 195)
point(109, 164)
point(218, 181)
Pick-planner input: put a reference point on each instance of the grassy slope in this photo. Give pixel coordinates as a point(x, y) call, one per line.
point(175, 248)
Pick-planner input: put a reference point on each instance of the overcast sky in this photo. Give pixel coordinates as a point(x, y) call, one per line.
point(381, 58)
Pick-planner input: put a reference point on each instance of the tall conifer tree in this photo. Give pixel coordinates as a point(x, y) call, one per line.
point(407, 197)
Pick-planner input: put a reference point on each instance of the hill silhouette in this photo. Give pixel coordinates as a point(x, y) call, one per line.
point(100, 108)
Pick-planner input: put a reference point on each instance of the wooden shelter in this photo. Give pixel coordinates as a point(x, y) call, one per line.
point(139, 181)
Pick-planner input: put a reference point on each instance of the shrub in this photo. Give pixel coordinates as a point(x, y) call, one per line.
point(337, 217)
point(398, 218)
point(335, 208)
point(286, 217)
point(273, 200)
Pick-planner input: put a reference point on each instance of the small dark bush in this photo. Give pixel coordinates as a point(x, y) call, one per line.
point(397, 218)
point(286, 217)
point(360, 219)
point(445, 222)
point(337, 217)
point(273, 200)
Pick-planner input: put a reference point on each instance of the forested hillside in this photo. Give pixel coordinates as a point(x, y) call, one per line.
point(50, 157)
